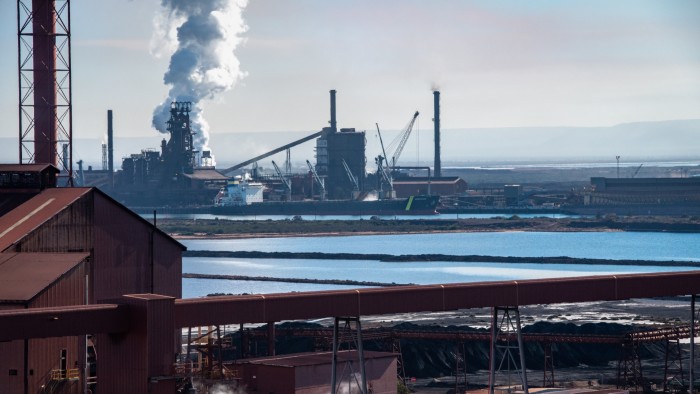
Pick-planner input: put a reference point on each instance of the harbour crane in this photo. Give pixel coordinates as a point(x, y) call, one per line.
point(353, 180)
point(400, 141)
point(381, 172)
point(285, 181)
point(637, 170)
point(318, 179)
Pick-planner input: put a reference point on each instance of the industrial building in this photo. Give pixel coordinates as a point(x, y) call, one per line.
point(310, 373)
point(643, 191)
point(66, 247)
point(173, 176)
point(443, 186)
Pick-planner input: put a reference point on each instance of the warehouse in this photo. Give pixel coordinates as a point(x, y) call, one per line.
point(55, 244)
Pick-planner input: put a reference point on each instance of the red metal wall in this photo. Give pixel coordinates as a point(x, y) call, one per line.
point(316, 378)
point(122, 254)
point(44, 354)
point(69, 230)
point(121, 246)
point(10, 359)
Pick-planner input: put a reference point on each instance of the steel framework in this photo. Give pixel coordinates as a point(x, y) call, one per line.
point(694, 318)
point(629, 367)
point(45, 88)
point(673, 366)
point(345, 335)
point(548, 370)
point(505, 324)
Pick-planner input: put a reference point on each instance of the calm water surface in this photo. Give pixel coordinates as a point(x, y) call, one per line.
point(644, 246)
point(605, 245)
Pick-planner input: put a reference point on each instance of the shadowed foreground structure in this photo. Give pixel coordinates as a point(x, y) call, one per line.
point(147, 324)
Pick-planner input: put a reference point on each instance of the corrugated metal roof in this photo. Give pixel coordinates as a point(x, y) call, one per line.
point(10, 201)
point(24, 275)
point(20, 221)
point(317, 358)
point(25, 167)
point(210, 175)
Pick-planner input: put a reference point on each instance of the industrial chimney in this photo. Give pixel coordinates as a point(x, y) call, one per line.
point(110, 148)
point(436, 120)
point(334, 127)
point(44, 86)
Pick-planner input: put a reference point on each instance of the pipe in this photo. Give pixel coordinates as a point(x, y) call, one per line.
point(334, 127)
point(436, 121)
point(110, 148)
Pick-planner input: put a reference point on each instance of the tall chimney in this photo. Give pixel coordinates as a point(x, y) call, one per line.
point(334, 127)
point(110, 148)
point(436, 120)
point(45, 95)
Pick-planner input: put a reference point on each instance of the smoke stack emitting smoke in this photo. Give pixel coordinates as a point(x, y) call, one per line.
point(203, 35)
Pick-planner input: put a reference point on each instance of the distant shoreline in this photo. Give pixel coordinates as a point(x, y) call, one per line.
point(240, 229)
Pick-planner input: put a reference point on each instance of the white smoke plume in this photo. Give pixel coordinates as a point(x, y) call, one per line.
point(202, 36)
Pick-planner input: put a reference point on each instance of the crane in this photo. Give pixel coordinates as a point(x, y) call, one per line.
point(637, 170)
point(285, 181)
point(400, 141)
point(381, 172)
point(318, 180)
point(353, 179)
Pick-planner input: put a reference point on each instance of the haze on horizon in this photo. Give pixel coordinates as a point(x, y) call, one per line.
point(502, 63)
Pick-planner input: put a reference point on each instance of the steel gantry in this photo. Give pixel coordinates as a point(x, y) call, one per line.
point(45, 88)
point(339, 337)
point(505, 323)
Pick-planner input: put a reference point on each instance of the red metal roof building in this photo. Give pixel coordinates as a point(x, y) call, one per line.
point(55, 242)
point(310, 373)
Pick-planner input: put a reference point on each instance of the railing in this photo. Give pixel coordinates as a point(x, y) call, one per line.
point(65, 374)
point(192, 368)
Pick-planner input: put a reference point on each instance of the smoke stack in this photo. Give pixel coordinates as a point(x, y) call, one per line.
point(334, 127)
point(436, 120)
point(44, 84)
point(110, 148)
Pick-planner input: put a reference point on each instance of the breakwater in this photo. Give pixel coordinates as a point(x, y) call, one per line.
point(433, 257)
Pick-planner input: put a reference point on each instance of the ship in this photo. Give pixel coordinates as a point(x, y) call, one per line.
point(413, 205)
point(243, 196)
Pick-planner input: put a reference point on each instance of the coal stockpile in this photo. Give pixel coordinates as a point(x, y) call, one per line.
point(428, 358)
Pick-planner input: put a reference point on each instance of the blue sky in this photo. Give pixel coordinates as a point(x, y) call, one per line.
point(497, 63)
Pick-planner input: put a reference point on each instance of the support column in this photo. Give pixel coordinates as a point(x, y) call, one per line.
point(673, 363)
point(629, 367)
point(271, 338)
point(693, 320)
point(548, 379)
point(334, 360)
point(152, 336)
point(357, 340)
point(502, 333)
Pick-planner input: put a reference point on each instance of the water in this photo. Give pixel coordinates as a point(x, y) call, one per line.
point(643, 246)
point(604, 245)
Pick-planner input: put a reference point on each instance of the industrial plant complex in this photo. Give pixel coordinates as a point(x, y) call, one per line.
point(91, 297)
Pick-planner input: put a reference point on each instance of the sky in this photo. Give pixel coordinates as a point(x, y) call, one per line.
point(497, 63)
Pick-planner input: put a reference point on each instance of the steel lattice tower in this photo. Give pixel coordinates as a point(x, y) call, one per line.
point(44, 66)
